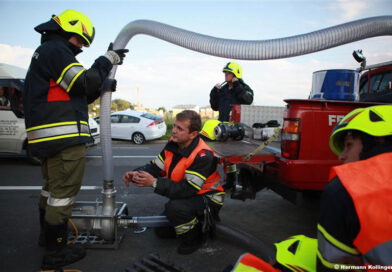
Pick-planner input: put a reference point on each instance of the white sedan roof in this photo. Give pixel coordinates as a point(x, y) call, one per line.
point(129, 112)
point(8, 71)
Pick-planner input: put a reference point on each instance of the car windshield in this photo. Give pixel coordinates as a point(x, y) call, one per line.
point(150, 116)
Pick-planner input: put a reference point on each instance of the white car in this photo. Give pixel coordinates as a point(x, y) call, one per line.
point(137, 126)
point(13, 138)
point(94, 130)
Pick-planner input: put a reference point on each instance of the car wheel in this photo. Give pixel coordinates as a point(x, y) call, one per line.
point(138, 138)
point(33, 159)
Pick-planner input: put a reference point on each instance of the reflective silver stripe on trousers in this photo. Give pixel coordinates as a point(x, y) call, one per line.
point(335, 255)
point(196, 180)
point(45, 193)
point(52, 131)
point(159, 163)
point(217, 198)
point(69, 76)
point(84, 128)
point(381, 254)
point(231, 168)
point(181, 229)
point(60, 202)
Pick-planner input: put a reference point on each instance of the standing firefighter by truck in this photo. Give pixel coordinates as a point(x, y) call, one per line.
point(232, 91)
point(56, 93)
point(355, 223)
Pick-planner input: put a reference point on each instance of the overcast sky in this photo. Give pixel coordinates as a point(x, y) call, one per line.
point(168, 75)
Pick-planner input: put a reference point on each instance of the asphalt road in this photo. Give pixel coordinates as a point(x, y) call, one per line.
point(269, 218)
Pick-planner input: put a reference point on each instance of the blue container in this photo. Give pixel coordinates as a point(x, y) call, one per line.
point(335, 85)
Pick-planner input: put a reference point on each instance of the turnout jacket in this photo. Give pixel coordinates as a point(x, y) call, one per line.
point(56, 94)
point(222, 99)
point(186, 173)
point(355, 225)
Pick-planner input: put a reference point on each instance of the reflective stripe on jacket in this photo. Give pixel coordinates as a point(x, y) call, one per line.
point(368, 183)
point(201, 183)
point(54, 131)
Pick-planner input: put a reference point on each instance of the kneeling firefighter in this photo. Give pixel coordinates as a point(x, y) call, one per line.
point(56, 93)
point(186, 173)
point(355, 223)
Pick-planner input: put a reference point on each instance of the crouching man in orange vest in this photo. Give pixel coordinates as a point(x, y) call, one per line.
point(185, 172)
point(355, 223)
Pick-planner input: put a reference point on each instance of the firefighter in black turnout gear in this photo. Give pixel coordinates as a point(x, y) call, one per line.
point(186, 173)
point(56, 93)
point(231, 92)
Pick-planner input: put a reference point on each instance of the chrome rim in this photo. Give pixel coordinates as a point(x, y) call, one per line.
point(138, 138)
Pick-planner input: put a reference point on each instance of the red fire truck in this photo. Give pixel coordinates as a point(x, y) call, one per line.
point(304, 159)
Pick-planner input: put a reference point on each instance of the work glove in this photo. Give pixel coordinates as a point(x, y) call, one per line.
point(117, 56)
point(109, 85)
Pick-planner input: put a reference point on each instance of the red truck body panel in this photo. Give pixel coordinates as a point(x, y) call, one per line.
point(317, 119)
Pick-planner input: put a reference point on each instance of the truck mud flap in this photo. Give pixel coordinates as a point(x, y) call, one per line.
point(153, 263)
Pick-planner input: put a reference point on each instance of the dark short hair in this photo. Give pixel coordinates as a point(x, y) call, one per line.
point(193, 117)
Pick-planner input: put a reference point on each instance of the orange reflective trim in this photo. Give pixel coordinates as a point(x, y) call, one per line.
point(259, 264)
point(167, 162)
point(369, 184)
point(56, 93)
point(178, 172)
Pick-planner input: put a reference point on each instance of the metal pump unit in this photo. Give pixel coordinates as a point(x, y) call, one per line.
point(223, 131)
point(107, 217)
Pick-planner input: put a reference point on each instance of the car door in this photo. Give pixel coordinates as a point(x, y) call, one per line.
point(128, 125)
point(115, 125)
point(12, 132)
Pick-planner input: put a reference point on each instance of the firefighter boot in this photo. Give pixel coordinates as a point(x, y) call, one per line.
point(58, 252)
point(41, 238)
point(191, 241)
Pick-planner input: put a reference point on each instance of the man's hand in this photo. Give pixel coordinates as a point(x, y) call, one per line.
point(143, 179)
point(218, 86)
point(128, 177)
point(117, 56)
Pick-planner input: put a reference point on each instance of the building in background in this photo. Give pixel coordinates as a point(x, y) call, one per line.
point(179, 108)
point(208, 113)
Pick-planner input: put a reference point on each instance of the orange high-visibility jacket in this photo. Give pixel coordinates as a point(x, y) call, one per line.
point(369, 183)
point(211, 183)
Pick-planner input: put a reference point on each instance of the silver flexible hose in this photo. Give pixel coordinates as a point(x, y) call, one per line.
point(237, 49)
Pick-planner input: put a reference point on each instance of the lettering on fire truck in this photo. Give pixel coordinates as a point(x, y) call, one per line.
point(332, 119)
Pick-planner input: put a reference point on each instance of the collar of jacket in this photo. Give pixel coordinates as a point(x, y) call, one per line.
point(376, 150)
point(173, 147)
point(57, 37)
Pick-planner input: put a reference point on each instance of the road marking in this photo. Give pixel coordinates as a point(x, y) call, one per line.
point(10, 188)
point(125, 157)
point(127, 147)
